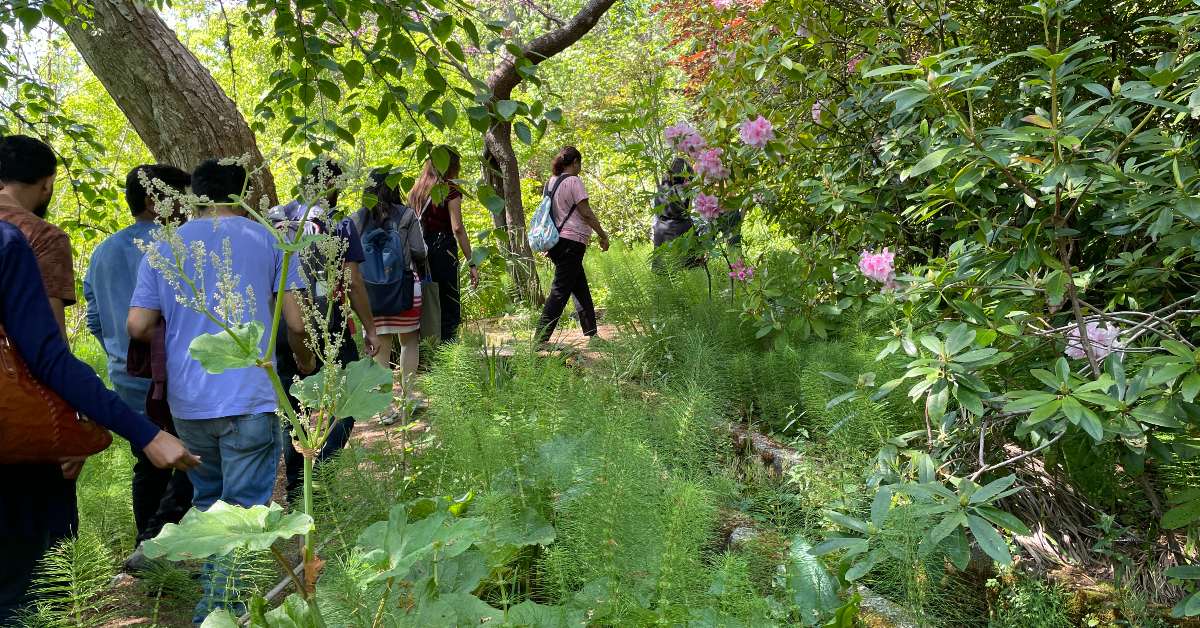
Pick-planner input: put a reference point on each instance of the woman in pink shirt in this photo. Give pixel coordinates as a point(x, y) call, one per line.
point(572, 211)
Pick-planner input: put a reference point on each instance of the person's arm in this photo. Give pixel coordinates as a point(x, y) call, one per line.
point(584, 209)
point(361, 304)
point(460, 234)
point(141, 322)
point(293, 317)
point(93, 309)
point(25, 315)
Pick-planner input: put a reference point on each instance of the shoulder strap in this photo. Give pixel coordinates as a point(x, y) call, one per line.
point(553, 192)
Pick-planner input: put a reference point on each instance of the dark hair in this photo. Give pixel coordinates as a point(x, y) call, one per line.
point(680, 172)
point(24, 159)
point(335, 169)
point(385, 195)
point(567, 156)
point(135, 192)
point(218, 182)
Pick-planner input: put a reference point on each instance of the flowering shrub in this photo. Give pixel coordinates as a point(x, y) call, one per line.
point(740, 271)
point(877, 266)
point(1103, 341)
point(757, 132)
point(1030, 195)
point(707, 207)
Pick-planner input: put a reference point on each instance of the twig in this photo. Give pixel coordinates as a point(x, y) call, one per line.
point(1017, 458)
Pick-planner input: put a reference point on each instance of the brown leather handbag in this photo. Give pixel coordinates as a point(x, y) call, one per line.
point(36, 425)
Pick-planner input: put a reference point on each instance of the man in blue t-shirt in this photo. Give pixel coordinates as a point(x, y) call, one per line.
point(228, 419)
point(160, 496)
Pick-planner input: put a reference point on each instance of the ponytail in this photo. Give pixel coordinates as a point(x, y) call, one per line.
point(567, 156)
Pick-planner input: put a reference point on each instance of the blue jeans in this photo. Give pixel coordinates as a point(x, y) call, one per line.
point(239, 456)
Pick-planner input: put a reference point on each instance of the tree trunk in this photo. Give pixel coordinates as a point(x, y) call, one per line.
point(168, 96)
point(498, 139)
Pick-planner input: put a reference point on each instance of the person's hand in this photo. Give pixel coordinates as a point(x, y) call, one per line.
point(167, 452)
point(71, 467)
point(603, 241)
point(306, 364)
point(474, 272)
point(371, 343)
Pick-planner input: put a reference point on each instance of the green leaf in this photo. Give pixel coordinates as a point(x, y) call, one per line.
point(958, 549)
point(441, 159)
point(1029, 400)
point(1187, 607)
point(993, 489)
point(223, 351)
point(880, 506)
point(223, 528)
point(1005, 520)
point(846, 522)
point(330, 90)
point(220, 618)
point(959, 338)
point(1190, 387)
point(396, 545)
point(989, 540)
point(29, 17)
point(813, 590)
point(293, 613)
point(864, 566)
point(952, 522)
point(1184, 572)
point(929, 162)
point(523, 133)
point(852, 545)
point(353, 72)
point(1181, 515)
point(361, 389)
point(507, 108)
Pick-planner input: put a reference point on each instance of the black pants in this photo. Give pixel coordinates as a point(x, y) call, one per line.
point(37, 510)
point(443, 269)
point(570, 280)
point(160, 496)
point(339, 435)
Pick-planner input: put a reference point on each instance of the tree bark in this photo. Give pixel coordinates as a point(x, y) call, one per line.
point(498, 139)
point(168, 96)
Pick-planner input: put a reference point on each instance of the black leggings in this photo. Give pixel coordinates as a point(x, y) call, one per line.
point(443, 269)
point(570, 280)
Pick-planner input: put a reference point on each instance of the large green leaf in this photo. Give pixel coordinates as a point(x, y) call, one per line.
point(989, 540)
point(1181, 515)
point(362, 389)
point(219, 618)
point(223, 528)
point(810, 586)
point(223, 351)
point(396, 545)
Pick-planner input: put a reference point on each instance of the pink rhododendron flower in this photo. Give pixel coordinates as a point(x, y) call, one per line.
point(878, 266)
point(709, 166)
point(741, 271)
point(1103, 340)
point(722, 4)
point(757, 132)
point(852, 65)
point(816, 111)
point(684, 138)
point(707, 206)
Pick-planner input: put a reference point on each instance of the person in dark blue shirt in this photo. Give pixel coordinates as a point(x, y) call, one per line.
point(25, 505)
point(160, 496)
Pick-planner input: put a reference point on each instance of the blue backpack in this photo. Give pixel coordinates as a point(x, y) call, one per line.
point(387, 271)
point(543, 231)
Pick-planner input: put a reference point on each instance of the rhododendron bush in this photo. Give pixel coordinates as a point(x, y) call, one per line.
point(1024, 228)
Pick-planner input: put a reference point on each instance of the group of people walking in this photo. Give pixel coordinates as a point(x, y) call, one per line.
point(199, 437)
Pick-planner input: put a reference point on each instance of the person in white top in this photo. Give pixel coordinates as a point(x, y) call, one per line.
point(572, 211)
